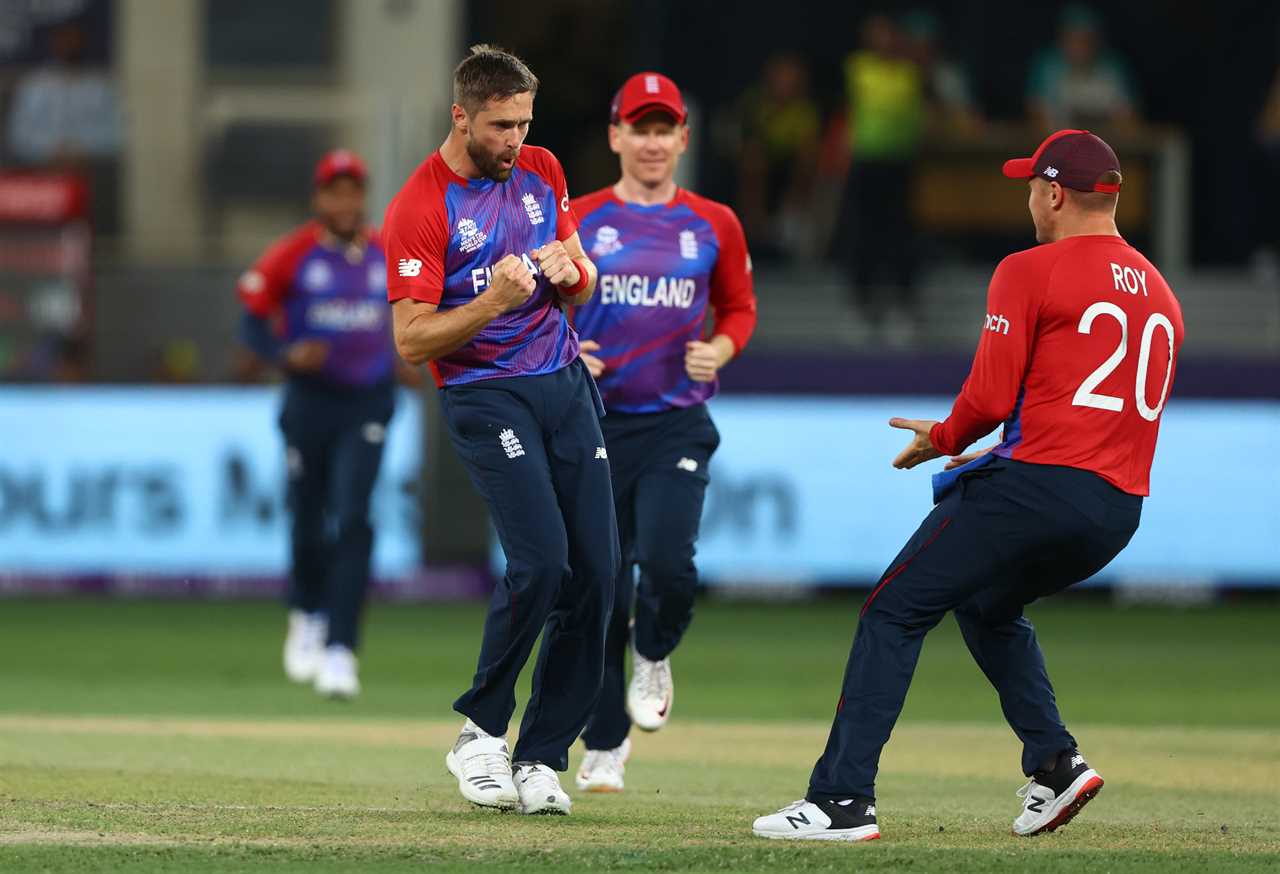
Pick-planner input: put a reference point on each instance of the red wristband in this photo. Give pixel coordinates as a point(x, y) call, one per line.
point(583, 278)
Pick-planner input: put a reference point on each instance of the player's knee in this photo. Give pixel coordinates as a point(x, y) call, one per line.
point(670, 570)
point(544, 572)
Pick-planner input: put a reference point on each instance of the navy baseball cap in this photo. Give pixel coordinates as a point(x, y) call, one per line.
point(647, 92)
point(1074, 159)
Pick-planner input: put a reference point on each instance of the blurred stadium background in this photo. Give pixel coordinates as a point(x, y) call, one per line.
point(152, 148)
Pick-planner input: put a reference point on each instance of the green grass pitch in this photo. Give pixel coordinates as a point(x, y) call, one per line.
point(140, 736)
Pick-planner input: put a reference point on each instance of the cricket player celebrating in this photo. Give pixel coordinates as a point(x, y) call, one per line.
point(314, 307)
point(666, 256)
point(1077, 356)
point(482, 258)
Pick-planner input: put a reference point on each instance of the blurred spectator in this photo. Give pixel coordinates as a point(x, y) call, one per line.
point(780, 126)
point(66, 115)
point(176, 362)
point(1078, 83)
point(64, 112)
point(886, 119)
point(946, 84)
point(1267, 232)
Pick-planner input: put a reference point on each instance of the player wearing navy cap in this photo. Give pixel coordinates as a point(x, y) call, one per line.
point(668, 259)
point(483, 260)
point(1077, 356)
point(314, 306)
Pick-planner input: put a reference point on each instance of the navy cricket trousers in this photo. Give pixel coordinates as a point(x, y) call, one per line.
point(659, 463)
point(1009, 533)
point(334, 438)
point(534, 450)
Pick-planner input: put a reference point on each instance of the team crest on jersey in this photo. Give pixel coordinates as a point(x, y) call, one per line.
point(472, 238)
point(606, 242)
point(318, 276)
point(533, 209)
point(689, 245)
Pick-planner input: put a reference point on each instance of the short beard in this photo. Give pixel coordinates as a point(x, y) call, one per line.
point(488, 164)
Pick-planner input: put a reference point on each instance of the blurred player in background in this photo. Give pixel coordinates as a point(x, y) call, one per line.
point(1077, 357)
point(665, 255)
point(483, 259)
point(315, 307)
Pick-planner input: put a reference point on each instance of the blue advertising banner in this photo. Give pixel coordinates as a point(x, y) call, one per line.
point(803, 490)
point(171, 481)
point(189, 481)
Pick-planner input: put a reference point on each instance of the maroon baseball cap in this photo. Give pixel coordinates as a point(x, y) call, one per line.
point(646, 92)
point(1072, 158)
point(340, 162)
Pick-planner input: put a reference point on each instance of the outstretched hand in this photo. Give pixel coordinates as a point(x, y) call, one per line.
point(920, 449)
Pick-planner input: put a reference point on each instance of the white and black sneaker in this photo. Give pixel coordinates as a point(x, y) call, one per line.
point(602, 770)
point(851, 819)
point(304, 645)
point(338, 676)
point(540, 791)
point(650, 693)
point(1052, 798)
point(482, 765)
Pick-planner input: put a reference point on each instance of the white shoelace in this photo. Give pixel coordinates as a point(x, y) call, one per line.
point(540, 780)
point(1026, 791)
point(602, 758)
point(653, 677)
point(795, 805)
point(486, 763)
point(489, 763)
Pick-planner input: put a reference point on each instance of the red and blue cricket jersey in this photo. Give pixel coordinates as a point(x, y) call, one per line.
point(443, 235)
point(660, 267)
point(1077, 358)
point(313, 288)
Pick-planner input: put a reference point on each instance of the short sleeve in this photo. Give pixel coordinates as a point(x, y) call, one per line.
point(415, 238)
point(548, 167)
point(733, 298)
point(264, 286)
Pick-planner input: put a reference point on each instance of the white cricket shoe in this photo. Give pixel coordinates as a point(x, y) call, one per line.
point(848, 820)
point(1051, 799)
point(337, 677)
point(540, 791)
point(602, 770)
point(304, 645)
point(482, 765)
point(650, 693)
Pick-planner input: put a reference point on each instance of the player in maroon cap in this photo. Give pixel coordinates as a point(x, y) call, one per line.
point(314, 308)
point(1077, 356)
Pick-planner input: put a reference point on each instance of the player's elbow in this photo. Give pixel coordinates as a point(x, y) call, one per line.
point(412, 352)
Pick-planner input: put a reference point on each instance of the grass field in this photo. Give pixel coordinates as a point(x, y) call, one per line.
point(152, 737)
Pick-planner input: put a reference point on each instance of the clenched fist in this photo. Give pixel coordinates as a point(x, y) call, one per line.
point(512, 283)
point(556, 264)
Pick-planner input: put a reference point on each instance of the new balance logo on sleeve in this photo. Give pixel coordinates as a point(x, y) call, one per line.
point(409, 267)
point(601, 453)
point(510, 443)
point(688, 464)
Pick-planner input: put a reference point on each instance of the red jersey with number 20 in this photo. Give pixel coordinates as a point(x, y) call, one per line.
point(1077, 358)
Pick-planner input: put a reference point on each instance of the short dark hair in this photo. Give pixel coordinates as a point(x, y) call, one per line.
point(1100, 201)
point(490, 73)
